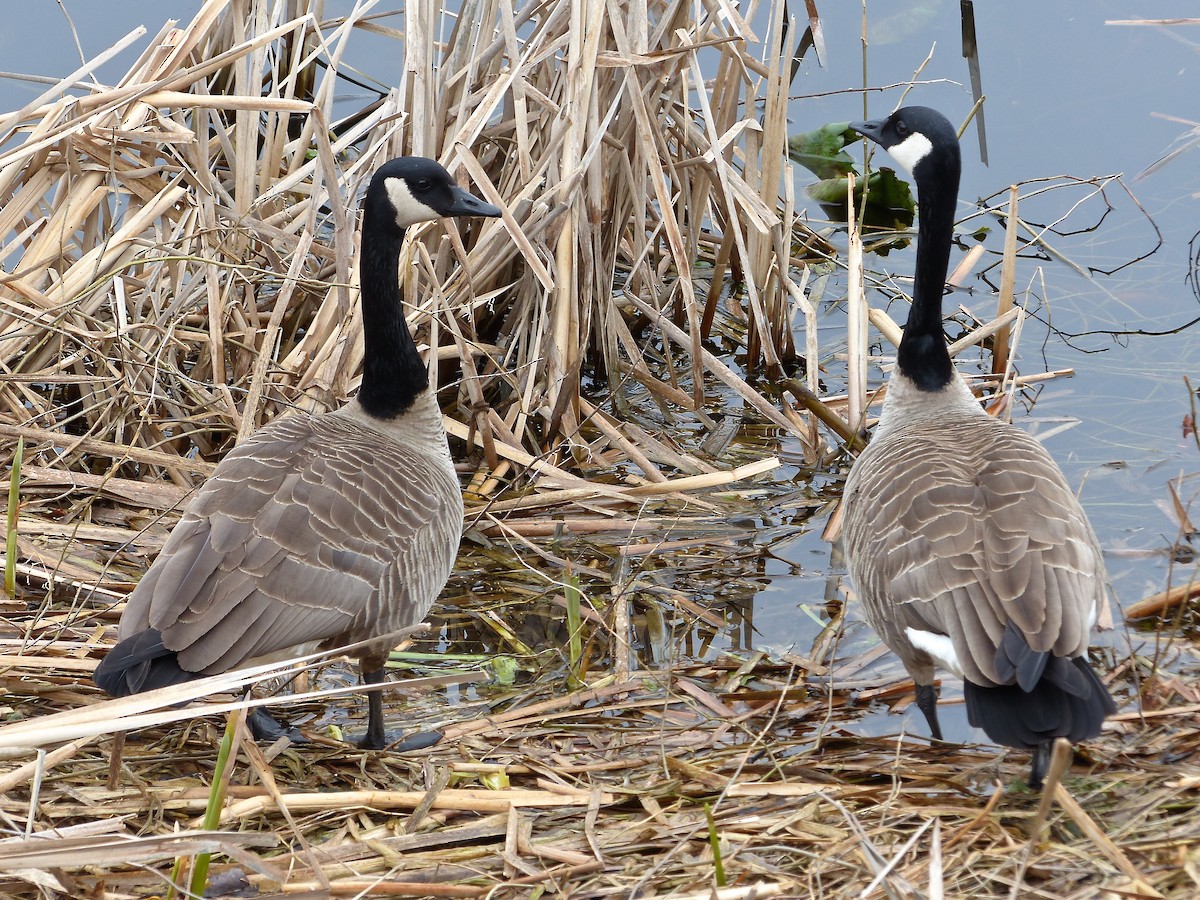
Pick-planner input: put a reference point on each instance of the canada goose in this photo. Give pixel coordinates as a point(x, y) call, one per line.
point(319, 530)
point(964, 541)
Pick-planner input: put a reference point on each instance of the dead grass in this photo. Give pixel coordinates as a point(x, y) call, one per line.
point(179, 268)
point(603, 792)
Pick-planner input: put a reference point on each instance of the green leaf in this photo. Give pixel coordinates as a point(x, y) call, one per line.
point(831, 191)
point(714, 841)
point(820, 151)
point(495, 781)
point(14, 511)
point(887, 192)
point(574, 632)
point(504, 669)
point(890, 202)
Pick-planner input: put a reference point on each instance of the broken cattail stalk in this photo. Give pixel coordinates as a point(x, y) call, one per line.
point(1008, 276)
point(1158, 603)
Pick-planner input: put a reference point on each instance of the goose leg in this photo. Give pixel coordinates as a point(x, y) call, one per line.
point(927, 703)
point(374, 739)
point(1040, 764)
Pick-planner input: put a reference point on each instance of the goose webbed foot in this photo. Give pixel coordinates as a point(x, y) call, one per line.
point(418, 740)
point(376, 737)
point(264, 727)
point(398, 743)
point(927, 703)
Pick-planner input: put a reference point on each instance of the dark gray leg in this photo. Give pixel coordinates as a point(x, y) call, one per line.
point(1039, 764)
point(374, 739)
point(927, 703)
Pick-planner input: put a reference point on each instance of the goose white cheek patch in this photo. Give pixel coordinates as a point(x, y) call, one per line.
point(409, 210)
point(910, 151)
point(939, 646)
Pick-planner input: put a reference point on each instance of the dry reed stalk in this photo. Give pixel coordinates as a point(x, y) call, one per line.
point(459, 800)
point(185, 260)
point(40, 853)
point(721, 371)
point(1157, 603)
point(1103, 842)
point(856, 322)
point(573, 526)
point(999, 325)
point(965, 266)
point(383, 887)
point(1008, 273)
point(163, 705)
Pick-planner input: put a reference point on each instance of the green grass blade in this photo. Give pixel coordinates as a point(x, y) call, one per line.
point(216, 797)
point(715, 842)
point(574, 631)
point(14, 508)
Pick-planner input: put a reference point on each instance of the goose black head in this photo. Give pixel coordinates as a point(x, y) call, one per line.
point(920, 139)
point(414, 189)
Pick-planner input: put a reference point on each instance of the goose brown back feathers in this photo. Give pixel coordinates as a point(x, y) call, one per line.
point(965, 527)
point(319, 530)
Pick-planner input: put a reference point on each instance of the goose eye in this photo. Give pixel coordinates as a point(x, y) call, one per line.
point(421, 184)
point(901, 128)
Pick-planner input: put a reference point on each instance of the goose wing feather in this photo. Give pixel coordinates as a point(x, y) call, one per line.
point(313, 530)
point(960, 528)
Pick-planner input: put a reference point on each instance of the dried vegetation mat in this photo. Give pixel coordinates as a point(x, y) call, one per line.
point(178, 267)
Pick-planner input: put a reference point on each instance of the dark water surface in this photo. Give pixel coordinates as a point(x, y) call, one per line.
point(1067, 95)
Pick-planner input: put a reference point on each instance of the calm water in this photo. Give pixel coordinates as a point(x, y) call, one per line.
point(1067, 95)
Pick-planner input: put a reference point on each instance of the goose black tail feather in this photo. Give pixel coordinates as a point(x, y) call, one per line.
point(1069, 701)
point(139, 663)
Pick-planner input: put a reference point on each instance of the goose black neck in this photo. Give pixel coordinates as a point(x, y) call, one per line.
point(393, 372)
point(923, 356)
